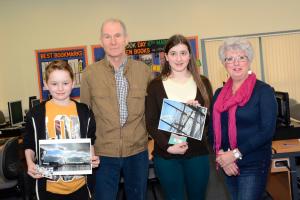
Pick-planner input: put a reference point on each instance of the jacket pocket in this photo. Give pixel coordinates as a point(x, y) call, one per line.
point(136, 101)
point(101, 103)
point(137, 93)
point(100, 93)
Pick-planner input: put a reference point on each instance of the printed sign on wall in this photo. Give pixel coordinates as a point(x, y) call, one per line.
point(150, 52)
point(76, 57)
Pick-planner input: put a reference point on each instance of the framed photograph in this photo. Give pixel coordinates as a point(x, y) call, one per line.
point(182, 119)
point(66, 156)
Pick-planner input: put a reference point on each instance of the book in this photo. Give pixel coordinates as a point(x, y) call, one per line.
point(182, 119)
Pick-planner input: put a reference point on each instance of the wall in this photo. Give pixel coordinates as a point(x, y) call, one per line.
point(29, 25)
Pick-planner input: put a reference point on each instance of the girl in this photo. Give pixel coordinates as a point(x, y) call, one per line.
point(184, 166)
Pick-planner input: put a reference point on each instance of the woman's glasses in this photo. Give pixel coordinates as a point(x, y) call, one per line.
point(231, 60)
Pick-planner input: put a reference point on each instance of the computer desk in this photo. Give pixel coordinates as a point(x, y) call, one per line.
point(286, 151)
point(11, 131)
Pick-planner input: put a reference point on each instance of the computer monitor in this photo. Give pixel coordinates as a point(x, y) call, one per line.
point(35, 102)
point(15, 110)
point(283, 109)
point(30, 100)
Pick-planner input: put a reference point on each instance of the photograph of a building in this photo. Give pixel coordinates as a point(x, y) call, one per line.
point(182, 119)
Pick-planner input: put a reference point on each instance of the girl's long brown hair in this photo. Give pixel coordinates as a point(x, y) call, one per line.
point(192, 67)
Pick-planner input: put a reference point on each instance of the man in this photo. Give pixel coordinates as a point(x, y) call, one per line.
point(115, 88)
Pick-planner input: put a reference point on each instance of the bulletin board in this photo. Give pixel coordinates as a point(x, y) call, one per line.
point(150, 52)
point(76, 57)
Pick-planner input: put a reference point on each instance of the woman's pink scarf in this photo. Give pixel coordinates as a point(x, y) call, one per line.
point(228, 102)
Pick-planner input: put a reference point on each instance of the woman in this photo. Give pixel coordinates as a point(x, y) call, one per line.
point(244, 120)
point(183, 166)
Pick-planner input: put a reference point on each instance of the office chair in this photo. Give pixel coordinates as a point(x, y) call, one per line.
point(9, 162)
point(153, 181)
point(11, 173)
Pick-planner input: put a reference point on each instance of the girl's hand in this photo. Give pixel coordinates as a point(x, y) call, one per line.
point(179, 148)
point(193, 103)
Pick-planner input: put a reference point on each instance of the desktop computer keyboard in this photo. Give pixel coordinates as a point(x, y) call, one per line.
point(10, 129)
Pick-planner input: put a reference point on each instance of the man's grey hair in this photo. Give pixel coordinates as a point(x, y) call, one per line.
point(113, 20)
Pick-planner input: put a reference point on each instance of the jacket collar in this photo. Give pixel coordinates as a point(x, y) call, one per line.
point(40, 112)
point(109, 65)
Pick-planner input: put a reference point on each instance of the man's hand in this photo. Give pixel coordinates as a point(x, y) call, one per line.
point(95, 161)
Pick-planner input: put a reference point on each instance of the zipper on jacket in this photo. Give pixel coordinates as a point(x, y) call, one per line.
point(35, 140)
point(87, 127)
point(121, 142)
point(36, 156)
point(120, 130)
point(121, 138)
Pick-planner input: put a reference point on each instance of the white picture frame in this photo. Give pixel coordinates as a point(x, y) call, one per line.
point(182, 119)
point(66, 156)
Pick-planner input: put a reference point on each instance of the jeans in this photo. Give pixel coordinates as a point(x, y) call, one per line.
point(135, 172)
point(183, 177)
point(251, 183)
